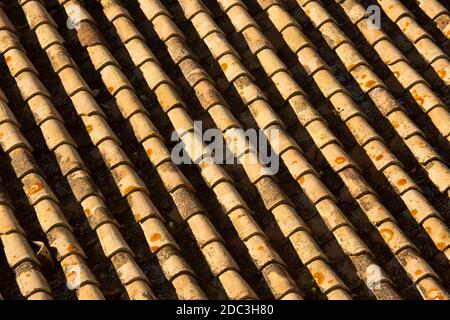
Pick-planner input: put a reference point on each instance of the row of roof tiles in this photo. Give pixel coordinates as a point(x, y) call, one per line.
point(438, 14)
point(211, 244)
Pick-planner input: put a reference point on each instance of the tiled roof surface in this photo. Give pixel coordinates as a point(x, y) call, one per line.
point(94, 206)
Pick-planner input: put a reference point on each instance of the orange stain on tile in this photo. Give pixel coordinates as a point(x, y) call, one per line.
point(319, 277)
point(35, 188)
point(417, 97)
point(339, 160)
point(440, 245)
point(395, 124)
point(406, 26)
point(301, 180)
point(155, 237)
point(387, 234)
point(370, 83)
